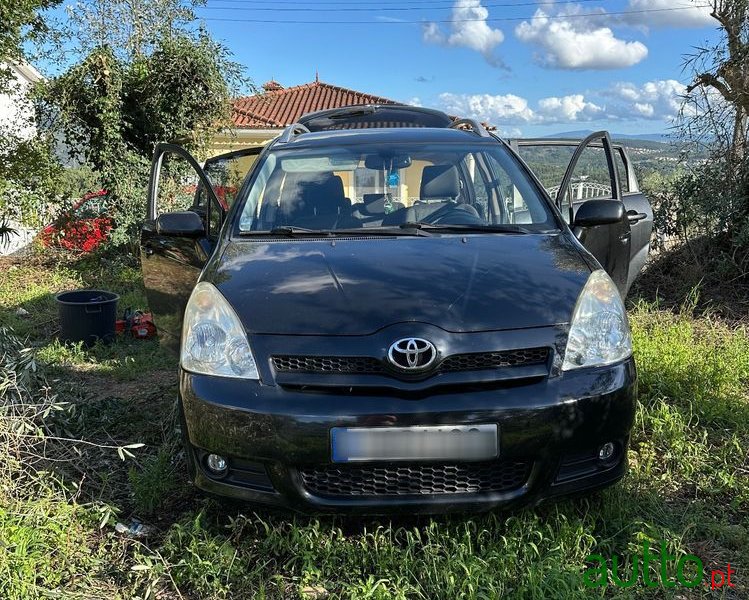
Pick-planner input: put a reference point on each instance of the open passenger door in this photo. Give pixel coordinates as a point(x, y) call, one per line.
point(595, 169)
point(186, 209)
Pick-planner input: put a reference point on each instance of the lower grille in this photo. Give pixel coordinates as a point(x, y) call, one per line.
point(373, 366)
point(373, 480)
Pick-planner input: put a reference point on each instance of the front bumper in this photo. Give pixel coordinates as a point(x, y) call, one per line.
point(272, 436)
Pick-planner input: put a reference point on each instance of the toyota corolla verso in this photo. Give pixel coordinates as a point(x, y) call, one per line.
point(391, 313)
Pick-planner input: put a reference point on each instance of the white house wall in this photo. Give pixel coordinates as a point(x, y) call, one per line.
point(16, 112)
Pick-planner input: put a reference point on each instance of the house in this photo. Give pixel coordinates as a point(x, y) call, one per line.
point(259, 118)
point(16, 112)
point(16, 123)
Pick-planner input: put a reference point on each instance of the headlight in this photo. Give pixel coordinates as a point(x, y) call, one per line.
point(213, 339)
point(599, 332)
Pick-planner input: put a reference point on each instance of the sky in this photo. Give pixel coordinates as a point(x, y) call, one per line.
point(530, 68)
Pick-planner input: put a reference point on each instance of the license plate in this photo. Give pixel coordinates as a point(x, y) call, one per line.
point(442, 442)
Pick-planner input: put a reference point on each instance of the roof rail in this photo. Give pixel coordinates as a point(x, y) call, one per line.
point(291, 131)
point(475, 126)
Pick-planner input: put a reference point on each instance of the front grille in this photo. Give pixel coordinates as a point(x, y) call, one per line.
point(327, 364)
point(372, 366)
point(410, 480)
point(493, 360)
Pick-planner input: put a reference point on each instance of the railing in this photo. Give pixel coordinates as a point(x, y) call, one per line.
point(584, 190)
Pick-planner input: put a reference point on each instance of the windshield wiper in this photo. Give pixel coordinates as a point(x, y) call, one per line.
point(507, 228)
point(288, 231)
point(293, 231)
point(383, 231)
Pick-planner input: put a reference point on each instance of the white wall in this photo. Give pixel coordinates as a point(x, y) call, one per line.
point(16, 118)
point(16, 113)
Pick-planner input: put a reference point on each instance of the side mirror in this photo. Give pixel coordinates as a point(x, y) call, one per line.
point(180, 224)
point(599, 212)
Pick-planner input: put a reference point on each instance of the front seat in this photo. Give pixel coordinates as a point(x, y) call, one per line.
point(321, 204)
point(440, 188)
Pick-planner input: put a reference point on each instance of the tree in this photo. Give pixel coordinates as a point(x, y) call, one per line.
point(27, 168)
point(141, 77)
point(20, 22)
point(131, 28)
point(725, 69)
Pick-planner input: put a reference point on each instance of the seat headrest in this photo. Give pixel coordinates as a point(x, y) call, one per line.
point(306, 195)
point(440, 181)
point(330, 195)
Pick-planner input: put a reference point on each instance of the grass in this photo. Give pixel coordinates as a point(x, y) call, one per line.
point(688, 486)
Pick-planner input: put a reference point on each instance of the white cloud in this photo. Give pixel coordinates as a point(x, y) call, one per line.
point(578, 43)
point(507, 108)
point(568, 108)
point(468, 29)
point(510, 109)
point(691, 16)
point(657, 100)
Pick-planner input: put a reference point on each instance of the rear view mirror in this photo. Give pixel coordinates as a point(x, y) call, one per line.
point(599, 212)
point(180, 224)
point(392, 163)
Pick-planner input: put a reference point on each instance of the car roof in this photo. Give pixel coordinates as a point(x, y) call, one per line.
point(388, 135)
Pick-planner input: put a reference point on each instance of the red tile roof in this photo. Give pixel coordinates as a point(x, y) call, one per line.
point(278, 107)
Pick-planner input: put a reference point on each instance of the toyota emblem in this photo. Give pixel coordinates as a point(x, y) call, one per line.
point(412, 354)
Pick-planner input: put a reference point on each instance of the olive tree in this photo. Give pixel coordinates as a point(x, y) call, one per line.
point(721, 73)
point(708, 204)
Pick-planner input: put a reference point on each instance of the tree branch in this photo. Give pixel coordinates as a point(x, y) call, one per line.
point(708, 79)
point(732, 26)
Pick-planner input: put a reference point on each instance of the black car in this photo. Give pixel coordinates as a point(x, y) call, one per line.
point(391, 313)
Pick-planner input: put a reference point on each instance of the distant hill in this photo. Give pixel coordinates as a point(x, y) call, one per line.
point(663, 138)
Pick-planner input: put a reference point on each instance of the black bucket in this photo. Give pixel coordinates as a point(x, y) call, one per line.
point(87, 316)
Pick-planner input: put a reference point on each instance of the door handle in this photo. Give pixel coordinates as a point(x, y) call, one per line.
point(633, 216)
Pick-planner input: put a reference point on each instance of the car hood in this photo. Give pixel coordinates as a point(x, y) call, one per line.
point(358, 286)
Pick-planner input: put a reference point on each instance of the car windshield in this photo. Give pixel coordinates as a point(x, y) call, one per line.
point(380, 187)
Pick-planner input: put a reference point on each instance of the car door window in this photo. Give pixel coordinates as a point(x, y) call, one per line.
point(548, 163)
point(622, 170)
point(479, 183)
point(227, 172)
point(177, 185)
point(180, 188)
point(590, 179)
point(515, 208)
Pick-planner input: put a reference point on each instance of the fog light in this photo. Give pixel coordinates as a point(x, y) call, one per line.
point(216, 464)
point(606, 451)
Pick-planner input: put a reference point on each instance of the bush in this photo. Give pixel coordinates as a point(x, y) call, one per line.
point(112, 110)
point(711, 201)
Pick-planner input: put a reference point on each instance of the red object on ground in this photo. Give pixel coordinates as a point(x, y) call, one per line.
point(84, 227)
point(137, 324)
